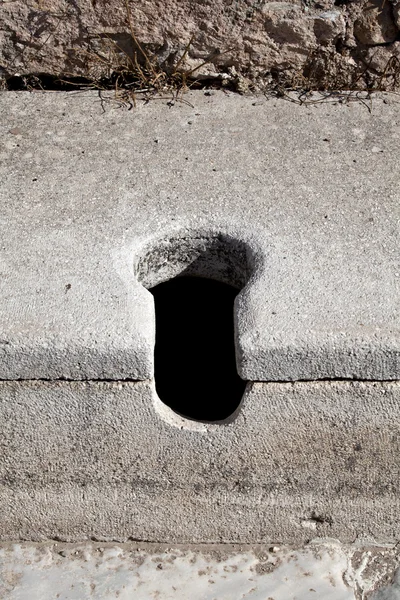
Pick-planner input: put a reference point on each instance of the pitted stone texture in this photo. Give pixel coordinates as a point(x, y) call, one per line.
point(109, 461)
point(310, 193)
point(376, 24)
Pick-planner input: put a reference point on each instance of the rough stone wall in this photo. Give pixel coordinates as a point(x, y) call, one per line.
point(323, 43)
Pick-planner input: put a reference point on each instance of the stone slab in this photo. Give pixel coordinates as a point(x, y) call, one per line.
point(310, 192)
point(109, 461)
point(81, 571)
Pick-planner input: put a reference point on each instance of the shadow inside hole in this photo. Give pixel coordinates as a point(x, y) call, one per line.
point(195, 366)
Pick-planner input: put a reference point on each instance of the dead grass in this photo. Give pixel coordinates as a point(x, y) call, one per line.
point(324, 79)
point(132, 72)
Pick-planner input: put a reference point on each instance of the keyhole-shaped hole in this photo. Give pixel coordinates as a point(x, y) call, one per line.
point(195, 366)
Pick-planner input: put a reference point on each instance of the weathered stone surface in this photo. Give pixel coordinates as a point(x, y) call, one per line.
point(299, 206)
point(382, 59)
point(109, 461)
point(255, 40)
point(376, 24)
point(301, 203)
point(396, 12)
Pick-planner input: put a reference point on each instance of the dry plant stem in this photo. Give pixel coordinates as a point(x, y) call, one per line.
point(148, 62)
point(182, 58)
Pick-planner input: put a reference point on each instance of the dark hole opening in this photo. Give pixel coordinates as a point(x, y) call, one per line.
point(195, 367)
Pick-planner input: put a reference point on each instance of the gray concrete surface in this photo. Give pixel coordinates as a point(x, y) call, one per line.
point(305, 200)
point(321, 570)
point(109, 461)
